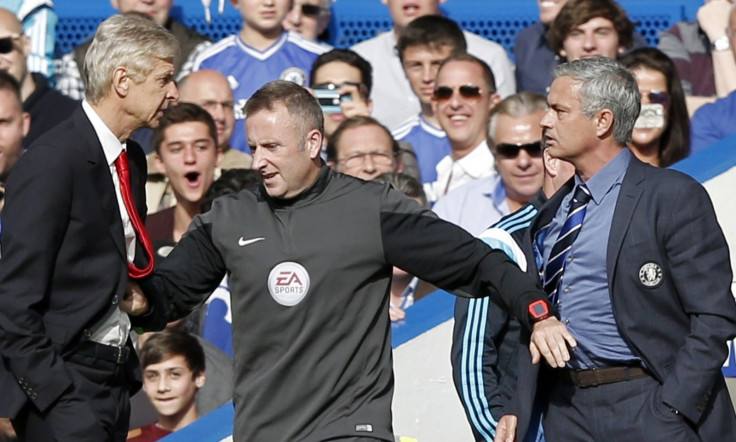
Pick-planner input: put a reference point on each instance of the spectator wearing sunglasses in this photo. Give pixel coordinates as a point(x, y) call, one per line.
point(714, 121)
point(515, 138)
point(309, 18)
point(661, 134)
point(425, 43)
point(393, 98)
point(464, 95)
point(46, 106)
point(260, 52)
point(39, 23)
point(485, 338)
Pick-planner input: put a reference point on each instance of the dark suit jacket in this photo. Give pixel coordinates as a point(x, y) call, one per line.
point(63, 268)
point(678, 327)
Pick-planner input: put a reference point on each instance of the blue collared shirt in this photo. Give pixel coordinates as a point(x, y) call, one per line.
point(584, 298)
point(476, 205)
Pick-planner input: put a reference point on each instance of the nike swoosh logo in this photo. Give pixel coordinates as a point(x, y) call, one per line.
point(244, 242)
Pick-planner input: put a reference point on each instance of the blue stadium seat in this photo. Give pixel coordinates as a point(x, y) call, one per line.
point(357, 20)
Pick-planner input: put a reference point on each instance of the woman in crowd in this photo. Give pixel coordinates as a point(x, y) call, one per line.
point(661, 135)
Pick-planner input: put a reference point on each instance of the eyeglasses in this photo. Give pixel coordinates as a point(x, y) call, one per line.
point(309, 10)
point(7, 44)
point(378, 158)
point(508, 150)
point(656, 96)
point(468, 91)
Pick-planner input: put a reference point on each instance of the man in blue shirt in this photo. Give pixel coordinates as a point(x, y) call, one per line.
point(645, 288)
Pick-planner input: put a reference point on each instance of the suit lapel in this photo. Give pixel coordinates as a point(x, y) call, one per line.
point(100, 174)
point(631, 191)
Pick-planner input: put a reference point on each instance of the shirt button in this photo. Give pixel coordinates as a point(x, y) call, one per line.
point(569, 257)
point(567, 321)
point(87, 333)
point(567, 289)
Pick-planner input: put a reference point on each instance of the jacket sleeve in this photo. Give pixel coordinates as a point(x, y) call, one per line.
point(698, 258)
point(447, 256)
point(185, 279)
point(35, 219)
point(479, 342)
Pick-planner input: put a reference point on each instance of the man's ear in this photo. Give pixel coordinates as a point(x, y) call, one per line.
point(121, 81)
point(26, 123)
point(604, 122)
point(160, 166)
point(495, 99)
point(313, 143)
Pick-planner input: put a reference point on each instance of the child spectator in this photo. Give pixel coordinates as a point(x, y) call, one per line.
point(261, 52)
point(173, 371)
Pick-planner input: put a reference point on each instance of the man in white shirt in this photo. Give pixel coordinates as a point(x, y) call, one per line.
point(464, 96)
point(515, 138)
point(393, 100)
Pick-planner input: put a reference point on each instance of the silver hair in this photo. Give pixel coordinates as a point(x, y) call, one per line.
point(606, 84)
point(517, 105)
point(130, 40)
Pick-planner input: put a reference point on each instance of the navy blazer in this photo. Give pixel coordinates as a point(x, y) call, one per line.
point(678, 323)
point(64, 265)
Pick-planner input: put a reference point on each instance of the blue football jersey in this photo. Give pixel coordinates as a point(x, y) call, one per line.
point(247, 69)
point(430, 145)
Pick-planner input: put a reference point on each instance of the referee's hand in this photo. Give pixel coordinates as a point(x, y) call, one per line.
point(550, 338)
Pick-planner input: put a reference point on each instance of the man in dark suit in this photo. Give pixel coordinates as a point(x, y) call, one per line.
point(71, 236)
point(647, 317)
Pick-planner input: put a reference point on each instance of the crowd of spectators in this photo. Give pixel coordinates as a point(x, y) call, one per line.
point(441, 113)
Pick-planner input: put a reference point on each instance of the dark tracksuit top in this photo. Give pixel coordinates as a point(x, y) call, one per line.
point(310, 283)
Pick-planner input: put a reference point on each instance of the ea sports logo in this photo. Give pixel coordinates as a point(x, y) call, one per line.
point(288, 283)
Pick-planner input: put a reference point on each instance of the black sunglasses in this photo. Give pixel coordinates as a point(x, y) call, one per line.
point(309, 10)
point(508, 150)
point(656, 96)
point(469, 91)
point(7, 44)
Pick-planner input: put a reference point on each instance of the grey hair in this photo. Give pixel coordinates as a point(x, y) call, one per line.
point(130, 40)
point(606, 84)
point(517, 105)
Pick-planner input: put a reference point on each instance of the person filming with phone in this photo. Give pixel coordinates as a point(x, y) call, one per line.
point(341, 80)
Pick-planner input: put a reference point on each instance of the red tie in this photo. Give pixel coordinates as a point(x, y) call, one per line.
point(121, 164)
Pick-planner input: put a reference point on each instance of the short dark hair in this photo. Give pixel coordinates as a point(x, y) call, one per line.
point(406, 184)
point(358, 121)
point(298, 102)
point(172, 342)
point(183, 113)
point(348, 57)
point(488, 76)
point(578, 12)
point(433, 31)
point(8, 82)
point(675, 142)
point(231, 181)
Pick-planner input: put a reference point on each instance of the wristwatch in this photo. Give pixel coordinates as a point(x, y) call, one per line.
point(720, 44)
point(539, 310)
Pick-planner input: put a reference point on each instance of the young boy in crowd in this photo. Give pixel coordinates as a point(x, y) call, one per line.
point(423, 46)
point(260, 52)
point(173, 371)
